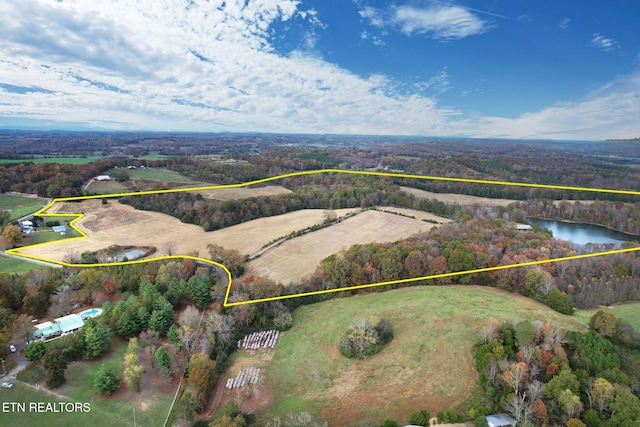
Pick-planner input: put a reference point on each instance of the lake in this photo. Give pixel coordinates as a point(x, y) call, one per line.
point(583, 233)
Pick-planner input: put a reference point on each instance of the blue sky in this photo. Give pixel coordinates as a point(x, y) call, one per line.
point(502, 68)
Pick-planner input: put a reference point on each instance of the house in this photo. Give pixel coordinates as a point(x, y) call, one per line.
point(523, 227)
point(103, 178)
point(500, 420)
point(61, 326)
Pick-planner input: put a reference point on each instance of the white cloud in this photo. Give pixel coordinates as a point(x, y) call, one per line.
point(211, 66)
point(603, 42)
point(564, 24)
point(156, 64)
point(373, 15)
point(609, 112)
point(439, 21)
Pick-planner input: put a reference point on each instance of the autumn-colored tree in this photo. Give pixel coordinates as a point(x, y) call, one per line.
point(601, 394)
point(109, 285)
point(90, 279)
point(12, 234)
point(604, 323)
point(516, 375)
point(439, 266)
point(202, 375)
point(132, 368)
point(552, 369)
point(575, 422)
point(570, 403)
point(539, 412)
point(416, 264)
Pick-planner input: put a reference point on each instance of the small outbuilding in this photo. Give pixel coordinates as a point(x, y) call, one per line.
point(59, 229)
point(500, 420)
point(523, 227)
point(103, 178)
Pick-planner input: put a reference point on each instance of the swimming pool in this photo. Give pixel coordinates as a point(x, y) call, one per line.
point(91, 313)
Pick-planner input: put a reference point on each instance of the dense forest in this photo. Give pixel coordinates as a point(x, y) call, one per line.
point(480, 243)
point(542, 376)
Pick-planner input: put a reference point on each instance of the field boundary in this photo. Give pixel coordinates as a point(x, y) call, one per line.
point(226, 303)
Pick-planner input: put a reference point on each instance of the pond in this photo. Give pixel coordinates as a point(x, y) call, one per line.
point(128, 255)
point(583, 233)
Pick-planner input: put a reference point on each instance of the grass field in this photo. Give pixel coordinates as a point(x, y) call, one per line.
point(19, 206)
point(629, 311)
point(12, 265)
point(77, 160)
point(115, 223)
point(460, 199)
point(156, 174)
point(300, 256)
point(151, 404)
point(67, 160)
point(243, 192)
point(427, 365)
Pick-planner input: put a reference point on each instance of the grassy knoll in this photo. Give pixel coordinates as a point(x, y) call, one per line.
point(12, 265)
point(20, 206)
point(629, 311)
point(427, 365)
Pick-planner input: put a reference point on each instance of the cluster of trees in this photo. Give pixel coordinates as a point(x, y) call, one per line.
point(535, 163)
point(89, 343)
point(52, 179)
point(480, 243)
point(540, 376)
point(365, 337)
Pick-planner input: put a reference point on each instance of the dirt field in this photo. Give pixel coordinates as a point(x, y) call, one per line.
point(115, 223)
point(243, 192)
point(251, 398)
point(460, 199)
point(300, 256)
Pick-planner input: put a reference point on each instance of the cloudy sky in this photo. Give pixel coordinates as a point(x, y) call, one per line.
point(498, 68)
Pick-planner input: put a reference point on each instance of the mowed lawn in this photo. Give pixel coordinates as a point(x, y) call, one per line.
point(428, 365)
point(19, 206)
point(151, 404)
point(12, 265)
point(629, 311)
point(155, 174)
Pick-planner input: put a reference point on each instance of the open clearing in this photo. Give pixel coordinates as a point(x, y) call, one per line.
point(629, 311)
point(19, 206)
point(460, 199)
point(243, 192)
point(151, 404)
point(428, 365)
point(118, 224)
point(300, 256)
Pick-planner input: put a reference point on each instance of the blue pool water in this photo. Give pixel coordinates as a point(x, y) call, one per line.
point(89, 312)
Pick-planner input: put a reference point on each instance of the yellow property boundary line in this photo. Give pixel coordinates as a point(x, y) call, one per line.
point(226, 302)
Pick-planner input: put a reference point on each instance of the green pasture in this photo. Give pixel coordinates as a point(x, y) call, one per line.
point(19, 206)
point(629, 311)
point(435, 331)
point(12, 265)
